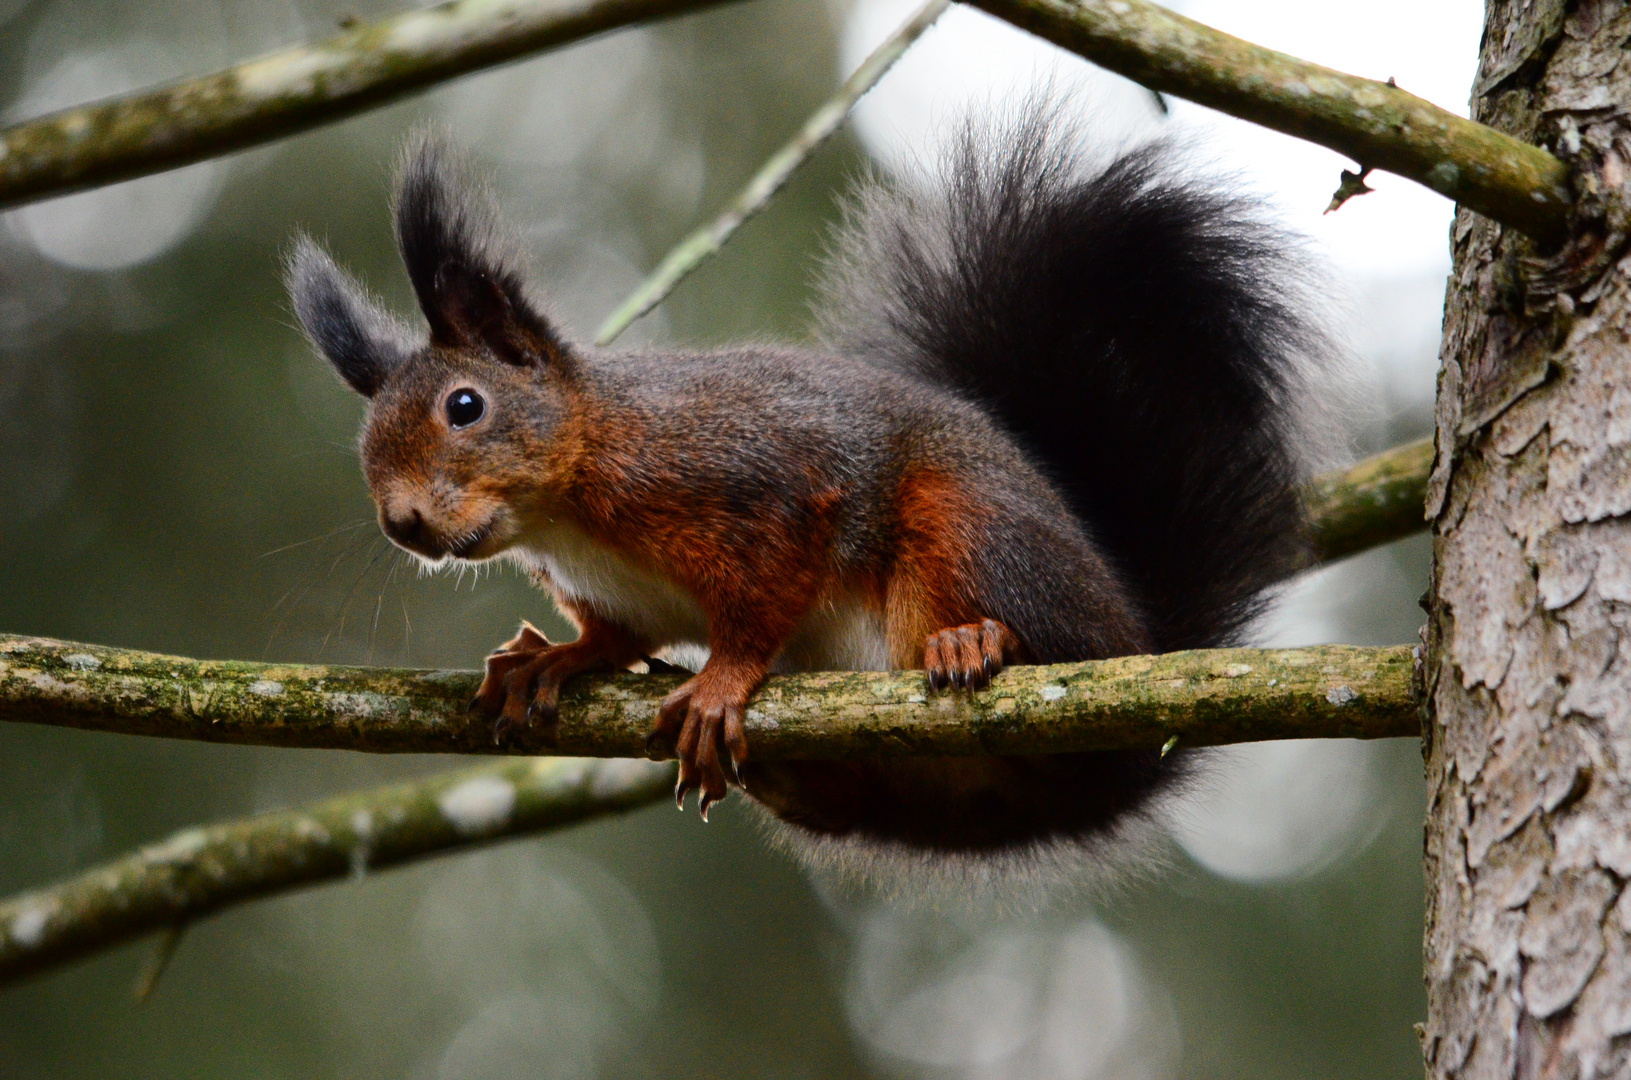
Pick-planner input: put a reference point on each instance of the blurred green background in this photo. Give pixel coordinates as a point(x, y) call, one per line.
point(178, 476)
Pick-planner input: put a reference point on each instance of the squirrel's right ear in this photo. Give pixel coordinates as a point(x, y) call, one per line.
point(361, 340)
point(467, 279)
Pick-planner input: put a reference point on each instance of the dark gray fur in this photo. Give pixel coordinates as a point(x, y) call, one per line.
point(363, 342)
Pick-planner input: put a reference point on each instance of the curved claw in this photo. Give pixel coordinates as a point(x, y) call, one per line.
point(702, 725)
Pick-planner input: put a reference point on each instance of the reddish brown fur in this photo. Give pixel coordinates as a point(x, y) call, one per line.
point(938, 529)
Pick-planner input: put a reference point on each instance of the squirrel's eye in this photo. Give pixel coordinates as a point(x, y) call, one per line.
point(464, 407)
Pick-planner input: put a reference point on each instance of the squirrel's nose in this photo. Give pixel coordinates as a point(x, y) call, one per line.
point(406, 526)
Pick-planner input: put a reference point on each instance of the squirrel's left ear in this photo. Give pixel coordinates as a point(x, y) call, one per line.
point(345, 324)
point(471, 294)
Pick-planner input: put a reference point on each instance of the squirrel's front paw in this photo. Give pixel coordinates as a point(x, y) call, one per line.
point(699, 716)
point(968, 655)
point(525, 674)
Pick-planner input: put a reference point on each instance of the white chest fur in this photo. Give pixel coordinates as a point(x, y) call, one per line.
point(841, 636)
point(620, 591)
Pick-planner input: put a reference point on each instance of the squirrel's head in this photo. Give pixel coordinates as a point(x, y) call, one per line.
point(460, 421)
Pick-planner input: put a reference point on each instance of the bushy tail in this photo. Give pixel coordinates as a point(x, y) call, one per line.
point(1142, 336)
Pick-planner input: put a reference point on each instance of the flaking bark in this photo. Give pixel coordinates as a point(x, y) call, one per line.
point(1528, 840)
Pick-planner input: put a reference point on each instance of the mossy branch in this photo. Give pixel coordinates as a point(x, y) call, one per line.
point(295, 89)
point(1195, 699)
point(1377, 501)
point(1378, 125)
point(1124, 702)
point(197, 872)
point(1204, 698)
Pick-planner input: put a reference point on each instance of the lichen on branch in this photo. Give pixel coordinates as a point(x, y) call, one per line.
point(1379, 500)
point(295, 89)
point(813, 715)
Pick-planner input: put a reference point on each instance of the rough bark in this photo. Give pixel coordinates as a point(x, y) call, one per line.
point(1528, 670)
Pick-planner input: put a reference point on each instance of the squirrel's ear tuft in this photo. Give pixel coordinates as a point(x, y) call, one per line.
point(470, 289)
point(345, 324)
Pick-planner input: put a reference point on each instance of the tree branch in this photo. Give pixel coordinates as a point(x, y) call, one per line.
point(198, 872)
point(296, 89)
point(1376, 124)
point(1199, 698)
point(1206, 697)
point(705, 242)
point(1377, 501)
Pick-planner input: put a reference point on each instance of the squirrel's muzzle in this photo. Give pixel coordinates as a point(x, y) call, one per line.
point(406, 527)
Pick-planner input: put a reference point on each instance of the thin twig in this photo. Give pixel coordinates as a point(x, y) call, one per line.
point(705, 242)
point(158, 962)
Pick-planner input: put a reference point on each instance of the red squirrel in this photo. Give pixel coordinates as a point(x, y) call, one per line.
point(1050, 419)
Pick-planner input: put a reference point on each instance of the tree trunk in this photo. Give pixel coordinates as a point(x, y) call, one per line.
point(1528, 741)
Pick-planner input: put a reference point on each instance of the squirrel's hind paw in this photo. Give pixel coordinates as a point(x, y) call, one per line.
point(968, 656)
